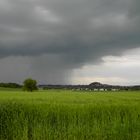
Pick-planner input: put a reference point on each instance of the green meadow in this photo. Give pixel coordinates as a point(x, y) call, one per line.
point(69, 115)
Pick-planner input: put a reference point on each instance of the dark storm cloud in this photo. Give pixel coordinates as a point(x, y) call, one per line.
point(76, 31)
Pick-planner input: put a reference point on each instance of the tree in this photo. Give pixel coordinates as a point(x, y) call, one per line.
point(30, 85)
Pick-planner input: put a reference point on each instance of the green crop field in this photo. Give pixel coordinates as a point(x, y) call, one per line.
point(69, 115)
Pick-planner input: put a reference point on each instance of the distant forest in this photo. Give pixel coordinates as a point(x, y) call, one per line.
point(95, 86)
point(10, 85)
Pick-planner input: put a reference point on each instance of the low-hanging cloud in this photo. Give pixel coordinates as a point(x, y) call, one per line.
point(60, 35)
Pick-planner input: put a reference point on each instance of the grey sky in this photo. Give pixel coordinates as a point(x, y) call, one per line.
point(48, 40)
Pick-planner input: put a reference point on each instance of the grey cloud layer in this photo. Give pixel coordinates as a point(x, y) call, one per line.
point(77, 31)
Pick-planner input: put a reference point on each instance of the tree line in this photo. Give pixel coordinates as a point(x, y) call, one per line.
point(10, 85)
point(31, 85)
point(28, 85)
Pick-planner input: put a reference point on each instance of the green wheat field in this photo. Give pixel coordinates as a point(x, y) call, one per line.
point(69, 115)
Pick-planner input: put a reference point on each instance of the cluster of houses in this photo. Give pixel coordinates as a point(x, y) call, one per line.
point(95, 86)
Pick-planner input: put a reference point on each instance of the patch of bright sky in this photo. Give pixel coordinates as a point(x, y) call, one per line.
point(117, 70)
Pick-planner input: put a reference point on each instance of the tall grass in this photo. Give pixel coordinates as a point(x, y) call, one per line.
point(64, 115)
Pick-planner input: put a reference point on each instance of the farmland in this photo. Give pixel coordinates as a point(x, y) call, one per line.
point(69, 115)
